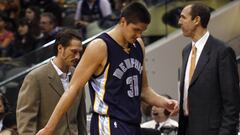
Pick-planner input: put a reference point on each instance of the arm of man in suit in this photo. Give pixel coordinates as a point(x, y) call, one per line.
point(229, 86)
point(28, 106)
point(82, 128)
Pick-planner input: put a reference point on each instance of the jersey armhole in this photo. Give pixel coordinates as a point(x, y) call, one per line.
point(141, 48)
point(107, 62)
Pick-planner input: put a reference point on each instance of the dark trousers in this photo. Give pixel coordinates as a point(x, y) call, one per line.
point(185, 119)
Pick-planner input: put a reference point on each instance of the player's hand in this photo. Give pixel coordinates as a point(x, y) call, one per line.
point(172, 106)
point(44, 131)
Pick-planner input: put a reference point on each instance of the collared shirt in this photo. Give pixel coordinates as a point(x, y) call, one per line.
point(65, 77)
point(199, 45)
point(1, 124)
point(151, 124)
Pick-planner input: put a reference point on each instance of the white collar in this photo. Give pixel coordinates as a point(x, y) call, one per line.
point(201, 42)
point(59, 71)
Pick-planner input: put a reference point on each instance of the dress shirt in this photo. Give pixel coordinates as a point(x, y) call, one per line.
point(152, 123)
point(65, 77)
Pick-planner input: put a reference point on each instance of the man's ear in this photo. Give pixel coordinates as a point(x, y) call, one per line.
point(122, 20)
point(60, 47)
point(197, 20)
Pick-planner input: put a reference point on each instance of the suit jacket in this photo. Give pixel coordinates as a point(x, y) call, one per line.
point(213, 94)
point(38, 96)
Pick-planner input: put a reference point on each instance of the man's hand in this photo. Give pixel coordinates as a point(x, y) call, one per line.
point(44, 131)
point(172, 106)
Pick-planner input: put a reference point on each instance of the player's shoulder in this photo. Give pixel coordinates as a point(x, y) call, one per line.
point(140, 41)
point(96, 47)
point(97, 43)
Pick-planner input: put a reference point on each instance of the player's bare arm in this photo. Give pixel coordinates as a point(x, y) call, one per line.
point(151, 97)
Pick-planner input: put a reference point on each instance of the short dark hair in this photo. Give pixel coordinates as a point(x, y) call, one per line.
point(201, 10)
point(36, 11)
point(23, 22)
point(136, 12)
point(51, 17)
point(64, 38)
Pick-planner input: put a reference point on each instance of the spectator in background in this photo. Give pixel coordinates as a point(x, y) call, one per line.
point(24, 41)
point(11, 9)
point(52, 7)
point(91, 10)
point(3, 4)
point(3, 109)
point(161, 120)
point(6, 37)
point(48, 28)
point(32, 14)
point(45, 6)
point(43, 87)
point(9, 124)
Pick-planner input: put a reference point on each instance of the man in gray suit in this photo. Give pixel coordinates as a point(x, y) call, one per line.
point(209, 90)
point(43, 87)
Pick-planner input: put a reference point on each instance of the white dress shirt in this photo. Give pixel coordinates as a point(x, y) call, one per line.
point(1, 124)
point(65, 77)
point(151, 124)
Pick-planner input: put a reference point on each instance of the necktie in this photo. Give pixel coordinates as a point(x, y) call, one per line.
point(156, 125)
point(193, 62)
point(191, 71)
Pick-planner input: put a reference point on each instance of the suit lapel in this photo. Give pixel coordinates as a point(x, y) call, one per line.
point(186, 54)
point(54, 80)
point(203, 60)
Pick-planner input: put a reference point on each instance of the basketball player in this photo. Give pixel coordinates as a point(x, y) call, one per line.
point(113, 64)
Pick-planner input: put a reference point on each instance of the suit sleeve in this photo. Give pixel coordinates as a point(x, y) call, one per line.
point(82, 115)
point(229, 86)
point(28, 106)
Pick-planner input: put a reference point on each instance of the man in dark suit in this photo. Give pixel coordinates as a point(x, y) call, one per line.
point(43, 87)
point(209, 90)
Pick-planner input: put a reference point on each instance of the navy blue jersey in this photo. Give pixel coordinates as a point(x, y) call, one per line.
point(116, 91)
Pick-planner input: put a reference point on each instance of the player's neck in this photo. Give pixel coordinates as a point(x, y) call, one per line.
point(116, 34)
